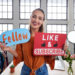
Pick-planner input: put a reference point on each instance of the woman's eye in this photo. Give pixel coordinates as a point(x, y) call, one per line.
point(40, 18)
point(34, 16)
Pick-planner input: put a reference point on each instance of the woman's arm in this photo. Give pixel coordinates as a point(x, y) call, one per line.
point(8, 49)
point(13, 52)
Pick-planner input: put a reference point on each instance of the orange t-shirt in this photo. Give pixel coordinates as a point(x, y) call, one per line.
point(25, 53)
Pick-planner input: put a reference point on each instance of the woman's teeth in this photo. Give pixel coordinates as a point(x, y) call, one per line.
point(35, 23)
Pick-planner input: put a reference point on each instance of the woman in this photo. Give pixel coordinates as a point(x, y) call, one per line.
point(33, 65)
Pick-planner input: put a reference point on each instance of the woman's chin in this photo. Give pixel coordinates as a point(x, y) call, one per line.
point(35, 27)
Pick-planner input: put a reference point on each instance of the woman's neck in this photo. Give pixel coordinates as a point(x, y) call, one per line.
point(33, 31)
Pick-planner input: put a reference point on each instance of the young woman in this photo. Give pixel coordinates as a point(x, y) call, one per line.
point(33, 65)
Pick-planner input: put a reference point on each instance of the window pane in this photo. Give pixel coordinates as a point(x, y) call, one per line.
point(22, 2)
point(27, 26)
point(0, 32)
point(22, 8)
point(24, 26)
point(27, 6)
point(22, 15)
point(5, 9)
point(49, 28)
point(27, 15)
point(56, 9)
point(56, 29)
point(59, 16)
point(4, 15)
point(0, 2)
point(54, 2)
point(10, 2)
point(33, 2)
point(9, 8)
point(63, 10)
point(0, 27)
point(64, 28)
point(37, 2)
point(0, 8)
point(10, 15)
point(63, 16)
point(5, 27)
point(10, 27)
point(59, 3)
point(0, 15)
point(4, 2)
point(27, 2)
point(32, 8)
point(27, 9)
point(64, 3)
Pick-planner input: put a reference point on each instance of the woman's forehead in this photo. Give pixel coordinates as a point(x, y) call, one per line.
point(38, 12)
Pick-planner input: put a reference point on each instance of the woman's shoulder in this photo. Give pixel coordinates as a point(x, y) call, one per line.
point(31, 39)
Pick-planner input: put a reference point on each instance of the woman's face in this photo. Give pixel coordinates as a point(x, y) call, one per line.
point(37, 19)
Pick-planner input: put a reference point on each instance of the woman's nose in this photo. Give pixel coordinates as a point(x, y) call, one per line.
point(36, 19)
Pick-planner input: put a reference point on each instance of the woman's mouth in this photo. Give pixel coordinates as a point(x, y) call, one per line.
point(35, 23)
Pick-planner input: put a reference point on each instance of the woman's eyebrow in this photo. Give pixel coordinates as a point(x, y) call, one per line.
point(38, 16)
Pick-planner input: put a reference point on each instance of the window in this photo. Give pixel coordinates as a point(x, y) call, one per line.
point(57, 9)
point(56, 29)
point(5, 9)
point(27, 6)
point(24, 26)
point(5, 27)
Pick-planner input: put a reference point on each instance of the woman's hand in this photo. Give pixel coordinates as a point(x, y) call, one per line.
point(9, 49)
point(4, 47)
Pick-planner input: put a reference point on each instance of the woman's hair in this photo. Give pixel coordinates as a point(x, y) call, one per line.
point(41, 27)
